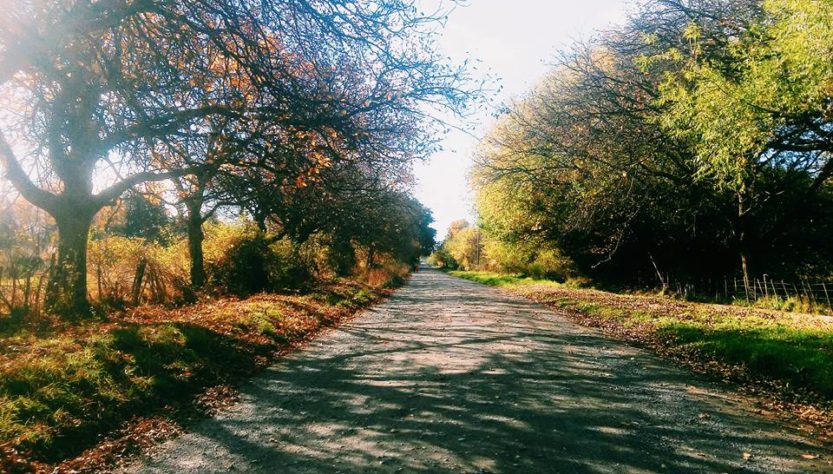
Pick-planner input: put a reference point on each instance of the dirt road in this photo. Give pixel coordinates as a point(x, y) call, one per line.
point(452, 376)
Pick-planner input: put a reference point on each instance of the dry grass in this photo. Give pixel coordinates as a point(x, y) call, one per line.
point(64, 386)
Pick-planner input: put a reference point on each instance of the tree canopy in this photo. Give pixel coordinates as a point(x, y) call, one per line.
point(693, 141)
point(101, 97)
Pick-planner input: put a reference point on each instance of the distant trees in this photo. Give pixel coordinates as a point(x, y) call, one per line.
point(461, 248)
point(694, 141)
point(100, 97)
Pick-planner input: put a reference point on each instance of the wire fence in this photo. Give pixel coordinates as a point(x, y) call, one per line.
point(818, 293)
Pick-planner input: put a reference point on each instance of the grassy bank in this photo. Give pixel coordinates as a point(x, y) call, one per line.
point(63, 387)
point(787, 355)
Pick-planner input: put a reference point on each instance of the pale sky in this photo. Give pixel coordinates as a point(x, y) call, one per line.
point(515, 40)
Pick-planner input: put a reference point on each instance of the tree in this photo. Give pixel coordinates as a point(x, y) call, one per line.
point(109, 85)
point(461, 248)
point(759, 102)
point(144, 217)
point(102, 85)
point(644, 152)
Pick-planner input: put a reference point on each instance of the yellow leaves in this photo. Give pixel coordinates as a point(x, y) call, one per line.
point(650, 38)
point(320, 159)
point(692, 32)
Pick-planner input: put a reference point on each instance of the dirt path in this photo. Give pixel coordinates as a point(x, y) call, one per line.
point(452, 376)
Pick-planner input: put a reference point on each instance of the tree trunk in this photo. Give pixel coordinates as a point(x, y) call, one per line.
point(68, 288)
point(742, 244)
point(745, 270)
point(195, 240)
point(138, 279)
point(260, 219)
point(371, 256)
point(662, 281)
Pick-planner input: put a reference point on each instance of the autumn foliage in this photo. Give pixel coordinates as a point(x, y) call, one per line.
point(692, 144)
point(162, 159)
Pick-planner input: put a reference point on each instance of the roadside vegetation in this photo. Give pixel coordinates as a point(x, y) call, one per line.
point(680, 159)
point(786, 357)
point(688, 151)
point(65, 386)
point(154, 351)
point(190, 188)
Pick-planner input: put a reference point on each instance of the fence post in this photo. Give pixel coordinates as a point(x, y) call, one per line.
point(808, 291)
point(826, 295)
point(766, 289)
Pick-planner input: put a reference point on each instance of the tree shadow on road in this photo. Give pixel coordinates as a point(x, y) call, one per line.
point(456, 377)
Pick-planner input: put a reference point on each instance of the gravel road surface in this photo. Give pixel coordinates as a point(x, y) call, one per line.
point(452, 376)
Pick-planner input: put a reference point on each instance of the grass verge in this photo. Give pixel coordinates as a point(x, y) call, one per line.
point(784, 356)
point(64, 387)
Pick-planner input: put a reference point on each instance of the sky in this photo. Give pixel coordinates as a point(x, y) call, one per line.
point(514, 40)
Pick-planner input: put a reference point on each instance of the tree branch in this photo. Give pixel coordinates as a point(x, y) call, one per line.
point(21, 181)
point(115, 191)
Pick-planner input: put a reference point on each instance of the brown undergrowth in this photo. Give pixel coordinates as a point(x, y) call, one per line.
point(79, 397)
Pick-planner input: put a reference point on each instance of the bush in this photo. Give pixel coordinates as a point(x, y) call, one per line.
point(251, 263)
point(550, 264)
point(286, 267)
point(243, 270)
point(534, 259)
point(341, 257)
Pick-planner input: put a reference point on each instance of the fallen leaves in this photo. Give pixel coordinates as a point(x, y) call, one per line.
point(632, 318)
point(136, 435)
point(217, 398)
point(253, 332)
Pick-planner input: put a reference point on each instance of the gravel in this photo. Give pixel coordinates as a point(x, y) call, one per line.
point(452, 376)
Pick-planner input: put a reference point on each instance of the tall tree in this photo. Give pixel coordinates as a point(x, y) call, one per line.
point(687, 137)
point(96, 91)
point(757, 100)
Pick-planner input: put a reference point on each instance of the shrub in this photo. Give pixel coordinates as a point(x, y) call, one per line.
point(550, 264)
point(252, 263)
point(286, 266)
point(340, 257)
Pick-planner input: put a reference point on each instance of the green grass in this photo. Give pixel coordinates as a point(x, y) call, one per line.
point(497, 279)
point(795, 351)
point(78, 387)
point(801, 357)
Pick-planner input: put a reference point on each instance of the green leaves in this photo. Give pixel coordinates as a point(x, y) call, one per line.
point(733, 102)
point(697, 136)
